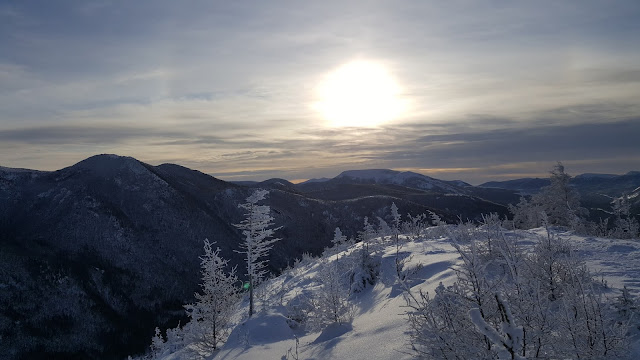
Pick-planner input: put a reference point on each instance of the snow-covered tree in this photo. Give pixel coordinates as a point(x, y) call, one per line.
point(506, 341)
point(257, 231)
point(365, 268)
point(383, 227)
point(413, 226)
point(157, 345)
point(338, 238)
point(338, 241)
point(512, 304)
point(211, 314)
point(176, 339)
point(626, 225)
point(559, 201)
point(395, 228)
point(332, 301)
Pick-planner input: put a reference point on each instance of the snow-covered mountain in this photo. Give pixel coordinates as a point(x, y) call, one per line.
point(379, 328)
point(89, 250)
point(404, 178)
point(123, 239)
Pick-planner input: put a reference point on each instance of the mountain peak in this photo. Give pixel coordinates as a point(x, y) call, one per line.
point(110, 163)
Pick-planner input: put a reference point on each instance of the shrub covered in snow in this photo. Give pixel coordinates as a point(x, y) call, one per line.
point(507, 303)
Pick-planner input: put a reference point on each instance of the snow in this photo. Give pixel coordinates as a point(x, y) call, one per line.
point(379, 327)
point(378, 330)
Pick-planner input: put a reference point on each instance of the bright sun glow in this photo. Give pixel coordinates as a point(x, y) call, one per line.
point(358, 94)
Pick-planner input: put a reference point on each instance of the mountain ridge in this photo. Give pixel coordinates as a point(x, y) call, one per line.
point(120, 240)
point(112, 241)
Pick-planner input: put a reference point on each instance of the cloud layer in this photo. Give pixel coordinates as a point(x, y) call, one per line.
point(493, 90)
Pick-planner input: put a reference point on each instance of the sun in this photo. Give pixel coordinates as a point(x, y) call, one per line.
point(358, 94)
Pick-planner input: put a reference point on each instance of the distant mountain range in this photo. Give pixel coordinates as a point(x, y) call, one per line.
point(585, 183)
point(94, 256)
point(596, 190)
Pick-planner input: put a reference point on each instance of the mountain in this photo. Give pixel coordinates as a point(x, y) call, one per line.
point(596, 190)
point(595, 176)
point(96, 255)
point(405, 178)
point(455, 197)
point(525, 186)
point(584, 183)
point(102, 244)
point(323, 179)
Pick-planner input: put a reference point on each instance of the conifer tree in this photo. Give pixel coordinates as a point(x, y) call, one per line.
point(215, 305)
point(257, 231)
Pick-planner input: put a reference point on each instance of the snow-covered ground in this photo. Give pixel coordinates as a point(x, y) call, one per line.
point(379, 327)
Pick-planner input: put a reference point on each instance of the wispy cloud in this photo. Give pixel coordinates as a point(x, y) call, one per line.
point(227, 87)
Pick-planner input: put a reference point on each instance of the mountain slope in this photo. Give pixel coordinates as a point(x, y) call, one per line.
point(379, 327)
point(89, 242)
point(88, 250)
point(406, 179)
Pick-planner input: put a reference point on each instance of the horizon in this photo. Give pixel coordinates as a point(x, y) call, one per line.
point(251, 91)
point(328, 177)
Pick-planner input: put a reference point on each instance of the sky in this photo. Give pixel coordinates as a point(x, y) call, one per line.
point(248, 90)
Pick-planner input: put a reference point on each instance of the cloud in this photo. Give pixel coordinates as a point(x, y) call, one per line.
point(62, 135)
point(227, 86)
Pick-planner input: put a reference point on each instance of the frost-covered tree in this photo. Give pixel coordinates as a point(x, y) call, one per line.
point(396, 221)
point(506, 341)
point(157, 345)
point(511, 304)
point(338, 241)
point(413, 226)
point(395, 228)
point(258, 239)
point(559, 201)
point(176, 339)
point(211, 314)
point(365, 268)
point(383, 227)
point(332, 301)
point(492, 228)
point(626, 225)
point(526, 214)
